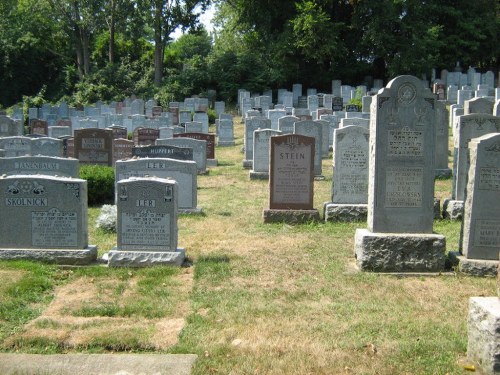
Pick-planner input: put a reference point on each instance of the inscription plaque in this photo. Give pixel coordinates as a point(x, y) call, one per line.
point(405, 142)
point(487, 233)
point(489, 178)
point(54, 229)
point(404, 187)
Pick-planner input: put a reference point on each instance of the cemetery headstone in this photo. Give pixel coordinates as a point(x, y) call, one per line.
point(478, 105)
point(47, 147)
point(401, 182)
point(94, 146)
point(145, 136)
point(39, 127)
point(312, 129)
point(252, 124)
point(260, 164)
point(10, 127)
point(441, 156)
point(122, 149)
point(52, 212)
point(147, 230)
point(225, 133)
point(210, 142)
point(199, 148)
point(285, 124)
point(15, 146)
point(46, 165)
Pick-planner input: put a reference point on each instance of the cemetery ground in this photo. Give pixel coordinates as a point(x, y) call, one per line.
point(257, 298)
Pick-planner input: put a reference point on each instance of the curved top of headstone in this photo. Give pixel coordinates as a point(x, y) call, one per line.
point(408, 87)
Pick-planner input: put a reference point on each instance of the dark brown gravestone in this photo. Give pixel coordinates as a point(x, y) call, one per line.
point(119, 132)
point(146, 136)
point(39, 127)
point(291, 181)
point(122, 149)
point(209, 138)
point(94, 146)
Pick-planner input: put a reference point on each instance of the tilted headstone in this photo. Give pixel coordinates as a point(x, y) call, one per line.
point(182, 171)
point(47, 147)
point(312, 129)
point(481, 229)
point(46, 165)
point(147, 230)
point(15, 146)
point(52, 212)
point(291, 179)
point(94, 146)
point(261, 146)
point(401, 182)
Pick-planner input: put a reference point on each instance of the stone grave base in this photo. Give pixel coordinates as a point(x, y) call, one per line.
point(212, 162)
point(399, 252)
point(75, 257)
point(443, 173)
point(477, 267)
point(226, 143)
point(345, 212)
point(437, 208)
point(483, 332)
point(191, 211)
point(139, 258)
point(247, 164)
point(453, 209)
point(258, 175)
point(290, 216)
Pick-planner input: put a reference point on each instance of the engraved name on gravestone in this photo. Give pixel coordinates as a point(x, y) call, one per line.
point(94, 146)
point(481, 230)
point(208, 138)
point(51, 210)
point(39, 127)
point(292, 172)
point(172, 152)
point(46, 165)
point(182, 171)
point(122, 149)
point(350, 165)
point(401, 181)
point(15, 146)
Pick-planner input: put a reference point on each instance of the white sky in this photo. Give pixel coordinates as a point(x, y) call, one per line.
point(205, 19)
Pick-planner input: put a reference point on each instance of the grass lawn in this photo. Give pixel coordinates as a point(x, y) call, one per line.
point(258, 299)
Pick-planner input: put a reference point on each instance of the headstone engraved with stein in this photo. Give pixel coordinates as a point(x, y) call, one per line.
point(350, 175)
point(52, 212)
point(399, 237)
point(146, 224)
point(291, 180)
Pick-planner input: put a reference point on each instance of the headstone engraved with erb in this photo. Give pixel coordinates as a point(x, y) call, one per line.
point(291, 180)
point(146, 223)
point(399, 237)
point(52, 212)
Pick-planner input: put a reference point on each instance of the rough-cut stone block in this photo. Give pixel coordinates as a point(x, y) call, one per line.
point(478, 267)
point(118, 258)
point(399, 252)
point(290, 216)
point(345, 212)
point(483, 331)
point(453, 209)
point(74, 257)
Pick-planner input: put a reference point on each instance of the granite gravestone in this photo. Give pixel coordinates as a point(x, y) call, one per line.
point(182, 171)
point(145, 136)
point(291, 180)
point(478, 105)
point(199, 148)
point(252, 124)
point(285, 124)
point(15, 146)
point(47, 147)
point(9, 127)
point(441, 153)
point(39, 127)
point(401, 182)
point(119, 132)
point(314, 130)
point(350, 175)
point(52, 212)
point(122, 149)
point(210, 142)
point(193, 127)
point(146, 223)
point(46, 165)
point(481, 227)
point(201, 117)
point(225, 133)
point(260, 163)
point(59, 131)
point(94, 146)
point(171, 152)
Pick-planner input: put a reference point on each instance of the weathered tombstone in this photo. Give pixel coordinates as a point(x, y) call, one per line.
point(59, 131)
point(193, 127)
point(51, 214)
point(203, 118)
point(145, 136)
point(46, 165)
point(469, 127)
point(441, 155)
point(122, 149)
point(291, 180)
point(225, 133)
point(296, 92)
point(401, 183)
point(185, 116)
point(47, 147)
point(86, 123)
point(302, 113)
point(260, 164)
point(325, 141)
point(15, 146)
point(147, 230)
point(285, 124)
point(337, 104)
point(312, 102)
point(481, 227)
point(312, 129)
point(350, 175)
point(332, 125)
point(478, 105)
point(219, 107)
point(463, 96)
point(182, 171)
point(137, 107)
point(10, 127)
point(451, 93)
point(166, 132)
point(94, 146)
point(252, 124)
point(356, 121)
point(199, 148)
point(210, 142)
point(118, 131)
point(274, 115)
point(39, 127)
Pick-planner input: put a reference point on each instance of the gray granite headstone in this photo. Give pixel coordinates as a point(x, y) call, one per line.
point(16, 146)
point(146, 223)
point(47, 147)
point(274, 115)
point(183, 171)
point(478, 105)
point(225, 133)
point(441, 155)
point(52, 212)
point(46, 165)
point(261, 147)
point(194, 127)
point(285, 124)
point(314, 130)
point(252, 124)
point(201, 117)
point(9, 127)
point(198, 147)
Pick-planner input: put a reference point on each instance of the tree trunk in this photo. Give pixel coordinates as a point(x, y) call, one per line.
point(79, 53)
point(111, 50)
point(86, 51)
point(158, 62)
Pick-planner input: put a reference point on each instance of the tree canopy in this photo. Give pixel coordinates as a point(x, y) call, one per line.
point(85, 50)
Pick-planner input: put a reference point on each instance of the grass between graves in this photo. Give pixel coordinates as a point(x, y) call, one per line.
point(259, 298)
